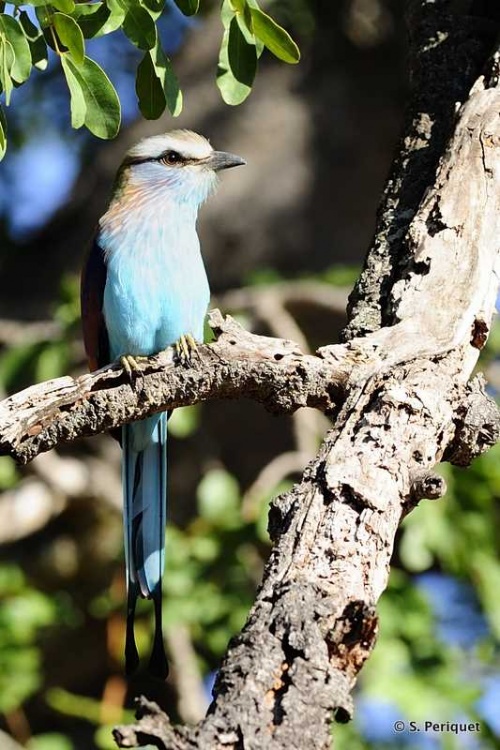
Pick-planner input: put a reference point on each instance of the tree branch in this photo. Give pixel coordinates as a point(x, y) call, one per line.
point(271, 371)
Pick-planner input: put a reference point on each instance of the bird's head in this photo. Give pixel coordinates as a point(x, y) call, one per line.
point(181, 166)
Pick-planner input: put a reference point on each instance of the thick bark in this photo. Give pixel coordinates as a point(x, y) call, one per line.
point(448, 49)
point(401, 403)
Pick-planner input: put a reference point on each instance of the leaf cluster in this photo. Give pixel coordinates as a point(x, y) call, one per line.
point(247, 31)
point(38, 31)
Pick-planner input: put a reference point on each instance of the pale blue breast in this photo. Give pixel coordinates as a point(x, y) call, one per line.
point(156, 288)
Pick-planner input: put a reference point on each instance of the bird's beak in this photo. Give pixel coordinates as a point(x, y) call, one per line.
point(223, 160)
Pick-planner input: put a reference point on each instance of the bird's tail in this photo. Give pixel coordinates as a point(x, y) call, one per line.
point(144, 446)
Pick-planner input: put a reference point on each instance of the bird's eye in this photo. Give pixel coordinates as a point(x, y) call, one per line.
point(171, 157)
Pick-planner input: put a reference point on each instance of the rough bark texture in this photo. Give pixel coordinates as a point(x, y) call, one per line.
point(448, 48)
point(400, 400)
point(269, 370)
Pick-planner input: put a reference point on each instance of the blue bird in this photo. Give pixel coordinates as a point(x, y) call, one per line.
point(144, 288)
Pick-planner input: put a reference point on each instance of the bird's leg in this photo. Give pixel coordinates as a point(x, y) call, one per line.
point(185, 346)
point(131, 363)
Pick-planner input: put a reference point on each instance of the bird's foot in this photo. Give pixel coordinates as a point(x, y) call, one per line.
point(131, 364)
point(185, 347)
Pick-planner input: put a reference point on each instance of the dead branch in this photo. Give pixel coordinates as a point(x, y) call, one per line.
point(274, 372)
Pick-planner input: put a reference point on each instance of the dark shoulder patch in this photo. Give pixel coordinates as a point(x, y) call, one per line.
point(95, 335)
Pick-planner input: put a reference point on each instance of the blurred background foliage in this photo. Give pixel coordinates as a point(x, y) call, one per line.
point(283, 241)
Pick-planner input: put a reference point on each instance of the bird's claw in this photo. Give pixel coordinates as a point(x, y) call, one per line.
point(185, 347)
point(131, 364)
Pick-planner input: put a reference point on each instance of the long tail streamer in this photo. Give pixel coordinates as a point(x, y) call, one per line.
point(144, 469)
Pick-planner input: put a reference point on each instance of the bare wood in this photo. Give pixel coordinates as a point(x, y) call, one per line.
point(448, 49)
point(271, 371)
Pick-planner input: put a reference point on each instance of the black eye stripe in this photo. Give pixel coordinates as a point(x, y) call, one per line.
point(166, 158)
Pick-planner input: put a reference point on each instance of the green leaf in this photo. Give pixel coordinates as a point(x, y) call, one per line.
point(414, 549)
point(13, 32)
point(232, 91)
point(154, 7)
point(65, 6)
point(245, 24)
point(165, 72)
point(92, 18)
point(44, 16)
point(3, 134)
point(188, 7)
point(274, 37)
point(239, 6)
point(70, 704)
point(340, 275)
point(244, 17)
point(36, 41)
point(139, 27)
point(103, 106)
point(94, 101)
point(7, 59)
point(77, 100)
point(227, 13)
point(115, 20)
point(149, 90)
point(71, 36)
point(242, 56)
point(33, 3)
